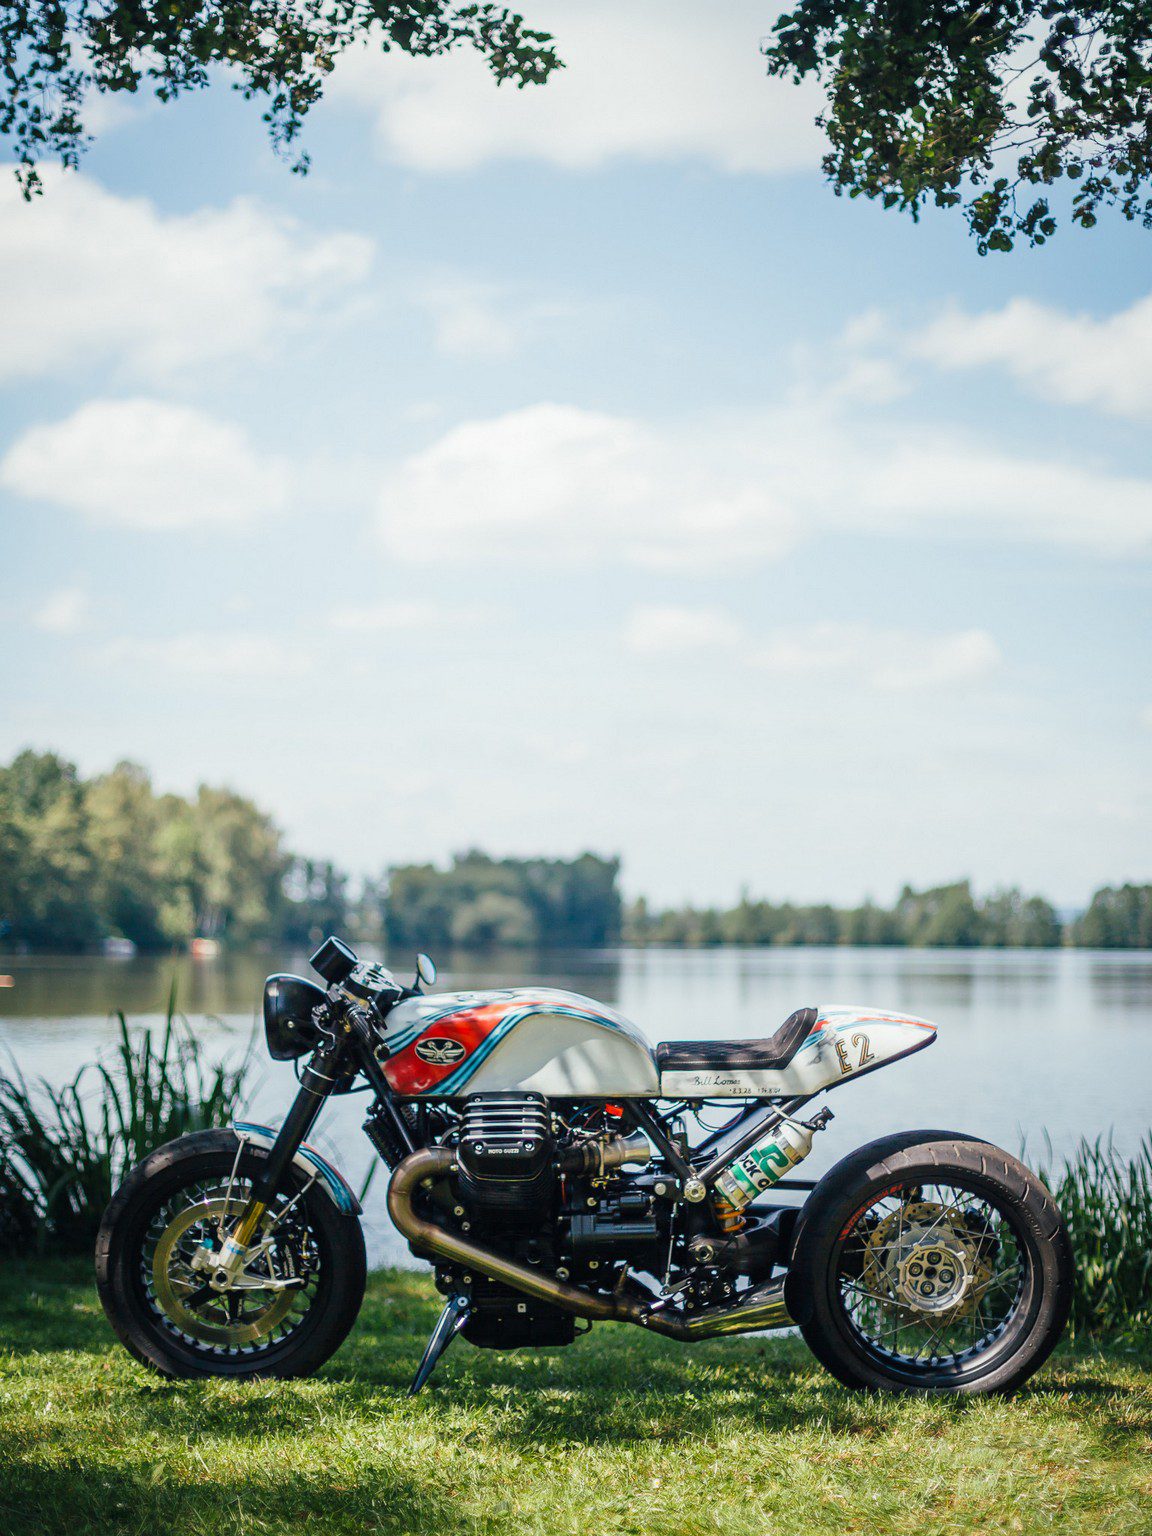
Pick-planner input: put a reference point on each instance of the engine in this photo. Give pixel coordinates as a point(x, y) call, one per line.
point(549, 1190)
point(506, 1155)
point(562, 1189)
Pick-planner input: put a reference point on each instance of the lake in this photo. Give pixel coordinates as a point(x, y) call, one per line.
point(1031, 1043)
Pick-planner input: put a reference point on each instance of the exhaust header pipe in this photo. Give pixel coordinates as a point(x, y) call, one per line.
point(758, 1309)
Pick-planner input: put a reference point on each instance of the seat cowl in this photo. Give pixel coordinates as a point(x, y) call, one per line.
point(767, 1055)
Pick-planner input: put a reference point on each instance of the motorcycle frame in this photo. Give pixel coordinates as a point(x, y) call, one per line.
point(760, 1307)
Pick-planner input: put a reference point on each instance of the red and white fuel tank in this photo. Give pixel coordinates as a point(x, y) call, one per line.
point(560, 1044)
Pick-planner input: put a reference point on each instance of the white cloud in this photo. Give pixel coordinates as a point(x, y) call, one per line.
point(888, 660)
point(652, 80)
point(64, 612)
point(929, 485)
point(846, 465)
point(891, 660)
point(145, 464)
point(211, 655)
point(1072, 358)
point(554, 481)
point(87, 276)
point(847, 462)
point(108, 111)
point(676, 631)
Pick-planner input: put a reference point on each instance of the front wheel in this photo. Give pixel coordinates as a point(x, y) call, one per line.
point(296, 1299)
point(931, 1262)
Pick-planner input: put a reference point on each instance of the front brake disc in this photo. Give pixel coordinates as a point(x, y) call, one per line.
point(248, 1316)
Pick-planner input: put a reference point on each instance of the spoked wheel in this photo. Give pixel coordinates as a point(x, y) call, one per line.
point(930, 1275)
point(292, 1305)
point(928, 1262)
point(267, 1303)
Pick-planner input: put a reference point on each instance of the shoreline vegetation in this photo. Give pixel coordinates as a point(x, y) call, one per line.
point(106, 862)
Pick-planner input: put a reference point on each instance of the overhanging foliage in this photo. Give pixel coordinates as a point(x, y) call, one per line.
point(54, 57)
point(982, 106)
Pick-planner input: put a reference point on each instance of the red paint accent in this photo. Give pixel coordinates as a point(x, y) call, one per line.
point(898, 1018)
point(867, 1206)
point(408, 1074)
point(876, 1018)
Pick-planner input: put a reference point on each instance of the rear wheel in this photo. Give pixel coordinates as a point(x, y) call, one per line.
point(931, 1262)
point(291, 1307)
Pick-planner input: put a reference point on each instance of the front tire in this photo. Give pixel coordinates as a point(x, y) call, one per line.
point(191, 1189)
point(931, 1262)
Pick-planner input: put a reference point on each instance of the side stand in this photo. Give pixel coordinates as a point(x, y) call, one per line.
point(452, 1319)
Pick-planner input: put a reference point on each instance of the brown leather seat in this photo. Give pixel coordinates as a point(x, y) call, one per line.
point(739, 1055)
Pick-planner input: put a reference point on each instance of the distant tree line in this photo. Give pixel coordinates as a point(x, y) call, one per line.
point(84, 860)
point(87, 860)
point(484, 903)
point(947, 916)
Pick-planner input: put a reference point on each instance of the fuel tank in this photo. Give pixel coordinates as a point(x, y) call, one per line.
point(558, 1043)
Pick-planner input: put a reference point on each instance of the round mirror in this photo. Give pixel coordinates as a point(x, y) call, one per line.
point(425, 969)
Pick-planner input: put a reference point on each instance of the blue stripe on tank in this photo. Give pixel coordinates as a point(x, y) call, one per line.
point(457, 1079)
point(453, 1083)
point(405, 1036)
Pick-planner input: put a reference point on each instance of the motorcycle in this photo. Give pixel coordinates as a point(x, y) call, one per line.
point(558, 1171)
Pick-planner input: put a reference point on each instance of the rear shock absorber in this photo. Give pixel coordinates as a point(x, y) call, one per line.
point(729, 1218)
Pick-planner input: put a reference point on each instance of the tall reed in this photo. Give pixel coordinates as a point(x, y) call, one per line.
point(1107, 1202)
point(63, 1151)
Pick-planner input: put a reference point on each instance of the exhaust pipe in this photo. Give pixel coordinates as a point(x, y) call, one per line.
point(761, 1308)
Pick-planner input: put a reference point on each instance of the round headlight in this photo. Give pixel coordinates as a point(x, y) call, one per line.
point(288, 1026)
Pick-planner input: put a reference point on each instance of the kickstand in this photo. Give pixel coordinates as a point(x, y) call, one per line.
point(451, 1320)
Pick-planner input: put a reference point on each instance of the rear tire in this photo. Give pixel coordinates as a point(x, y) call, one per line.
point(931, 1262)
point(279, 1336)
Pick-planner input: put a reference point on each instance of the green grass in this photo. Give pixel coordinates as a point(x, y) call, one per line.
point(620, 1433)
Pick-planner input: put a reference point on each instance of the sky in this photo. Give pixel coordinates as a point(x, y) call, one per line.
point(570, 468)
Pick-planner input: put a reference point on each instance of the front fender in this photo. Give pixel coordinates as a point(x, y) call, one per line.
point(309, 1161)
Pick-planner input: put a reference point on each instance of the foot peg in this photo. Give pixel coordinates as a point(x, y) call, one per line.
point(452, 1319)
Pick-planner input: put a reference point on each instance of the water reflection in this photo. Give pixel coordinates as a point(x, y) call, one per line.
point(1123, 984)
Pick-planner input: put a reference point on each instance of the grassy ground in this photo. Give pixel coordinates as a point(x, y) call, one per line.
point(620, 1433)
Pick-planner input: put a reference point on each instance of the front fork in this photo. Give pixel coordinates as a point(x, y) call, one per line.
point(316, 1083)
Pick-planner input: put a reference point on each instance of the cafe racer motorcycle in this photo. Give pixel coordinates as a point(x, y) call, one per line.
point(558, 1172)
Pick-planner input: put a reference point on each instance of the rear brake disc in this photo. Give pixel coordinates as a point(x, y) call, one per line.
point(924, 1259)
